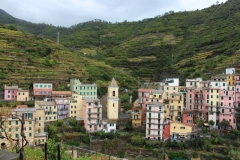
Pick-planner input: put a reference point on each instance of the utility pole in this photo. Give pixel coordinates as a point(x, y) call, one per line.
point(58, 38)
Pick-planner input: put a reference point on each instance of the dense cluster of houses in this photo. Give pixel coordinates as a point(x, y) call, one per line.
point(80, 102)
point(169, 110)
point(165, 109)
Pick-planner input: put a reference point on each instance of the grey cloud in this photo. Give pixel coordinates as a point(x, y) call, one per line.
point(70, 12)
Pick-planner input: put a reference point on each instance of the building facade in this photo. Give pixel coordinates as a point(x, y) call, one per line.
point(92, 114)
point(86, 90)
point(42, 89)
point(10, 93)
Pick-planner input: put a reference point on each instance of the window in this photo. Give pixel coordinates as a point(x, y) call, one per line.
point(190, 95)
point(42, 140)
point(211, 96)
point(16, 122)
point(30, 134)
point(223, 84)
point(44, 92)
point(182, 127)
point(189, 115)
point(174, 127)
point(49, 86)
point(45, 86)
point(113, 93)
point(90, 126)
point(40, 92)
point(16, 135)
point(30, 122)
point(30, 128)
point(46, 118)
point(74, 106)
point(89, 104)
point(39, 124)
point(16, 129)
point(9, 129)
point(8, 91)
point(74, 111)
point(40, 86)
point(39, 118)
point(19, 93)
point(229, 98)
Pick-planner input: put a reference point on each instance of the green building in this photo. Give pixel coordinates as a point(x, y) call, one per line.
point(86, 90)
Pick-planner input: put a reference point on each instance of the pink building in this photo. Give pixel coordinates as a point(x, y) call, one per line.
point(92, 114)
point(187, 118)
point(10, 93)
point(42, 89)
point(62, 107)
point(237, 91)
point(226, 109)
point(143, 96)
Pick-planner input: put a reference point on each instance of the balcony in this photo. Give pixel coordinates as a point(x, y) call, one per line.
point(199, 103)
point(94, 117)
point(97, 112)
point(154, 111)
point(97, 106)
point(62, 109)
point(171, 114)
point(198, 98)
point(94, 123)
point(136, 113)
point(40, 134)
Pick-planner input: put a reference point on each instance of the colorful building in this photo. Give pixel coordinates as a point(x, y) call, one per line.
point(50, 109)
point(155, 120)
point(92, 114)
point(22, 95)
point(179, 130)
point(176, 105)
point(76, 106)
point(63, 107)
point(112, 100)
point(42, 89)
point(33, 126)
point(143, 96)
point(136, 114)
point(10, 93)
point(214, 104)
point(86, 90)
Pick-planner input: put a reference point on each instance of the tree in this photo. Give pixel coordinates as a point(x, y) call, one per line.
point(72, 121)
point(36, 153)
point(225, 124)
point(211, 122)
point(137, 140)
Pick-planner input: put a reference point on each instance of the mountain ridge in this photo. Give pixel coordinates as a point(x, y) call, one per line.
point(182, 44)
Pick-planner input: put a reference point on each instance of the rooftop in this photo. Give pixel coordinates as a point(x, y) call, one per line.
point(113, 83)
point(156, 103)
point(45, 103)
point(11, 87)
point(61, 93)
point(89, 100)
point(25, 110)
point(21, 106)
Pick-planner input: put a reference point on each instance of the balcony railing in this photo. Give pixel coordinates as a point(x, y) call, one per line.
point(94, 112)
point(136, 113)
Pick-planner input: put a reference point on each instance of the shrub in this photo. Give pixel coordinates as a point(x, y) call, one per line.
point(195, 154)
point(121, 154)
point(137, 140)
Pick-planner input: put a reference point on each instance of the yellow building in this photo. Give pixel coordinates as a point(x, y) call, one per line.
point(180, 129)
point(33, 127)
point(76, 106)
point(168, 90)
point(113, 100)
point(136, 114)
point(213, 105)
point(156, 96)
point(176, 105)
point(50, 108)
point(22, 95)
point(231, 80)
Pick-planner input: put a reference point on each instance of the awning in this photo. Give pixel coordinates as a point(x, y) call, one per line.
point(206, 124)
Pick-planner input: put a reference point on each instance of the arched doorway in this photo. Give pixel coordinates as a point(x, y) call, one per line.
point(3, 146)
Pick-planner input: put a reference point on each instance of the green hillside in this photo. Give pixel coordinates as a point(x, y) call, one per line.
point(184, 44)
point(26, 58)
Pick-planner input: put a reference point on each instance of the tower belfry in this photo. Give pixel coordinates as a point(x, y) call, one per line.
point(113, 100)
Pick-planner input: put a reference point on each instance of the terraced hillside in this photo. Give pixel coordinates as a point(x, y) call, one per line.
point(183, 44)
point(25, 58)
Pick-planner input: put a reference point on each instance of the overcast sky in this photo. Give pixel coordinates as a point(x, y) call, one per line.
point(69, 12)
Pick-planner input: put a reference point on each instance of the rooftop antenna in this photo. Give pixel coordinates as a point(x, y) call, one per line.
point(58, 38)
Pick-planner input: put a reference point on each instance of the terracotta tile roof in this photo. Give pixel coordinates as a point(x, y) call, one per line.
point(21, 106)
point(61, 92)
